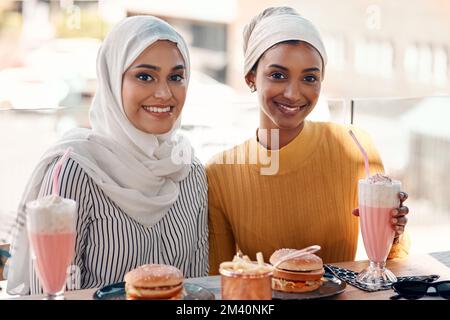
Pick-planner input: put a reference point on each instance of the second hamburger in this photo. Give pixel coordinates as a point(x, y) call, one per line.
point(301, 274)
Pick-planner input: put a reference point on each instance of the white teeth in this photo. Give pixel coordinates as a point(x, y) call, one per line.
point(288, 108)
point(155, 109)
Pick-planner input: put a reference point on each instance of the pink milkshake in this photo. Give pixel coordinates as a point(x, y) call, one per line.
point(51, 229)
point(377, 195)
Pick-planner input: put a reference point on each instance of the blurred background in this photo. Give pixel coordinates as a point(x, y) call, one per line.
point(388, 72)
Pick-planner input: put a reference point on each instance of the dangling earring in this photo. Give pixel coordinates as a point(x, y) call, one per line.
point(252, 88)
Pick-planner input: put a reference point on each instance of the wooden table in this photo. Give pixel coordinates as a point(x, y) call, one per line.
point(413, 265)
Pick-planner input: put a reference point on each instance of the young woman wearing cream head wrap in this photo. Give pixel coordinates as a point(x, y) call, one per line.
point(309, 198)
point(141, 196)
point(276, 25)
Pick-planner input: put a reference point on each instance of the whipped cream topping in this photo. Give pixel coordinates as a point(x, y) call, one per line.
point(51, 214)
point(380, 179)
point(46, 202)
point(379, 191)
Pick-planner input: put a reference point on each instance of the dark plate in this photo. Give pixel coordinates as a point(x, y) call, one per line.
point(330, 287)
point(116, 291)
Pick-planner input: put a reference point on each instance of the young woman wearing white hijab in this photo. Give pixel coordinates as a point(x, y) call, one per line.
point(141, 194)
point(307, 197)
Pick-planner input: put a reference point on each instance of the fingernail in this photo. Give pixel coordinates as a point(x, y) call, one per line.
point(394, 212)
point(394, 220)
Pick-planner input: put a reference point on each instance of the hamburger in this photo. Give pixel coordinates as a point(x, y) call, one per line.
point(154, 281)
point(301, 274)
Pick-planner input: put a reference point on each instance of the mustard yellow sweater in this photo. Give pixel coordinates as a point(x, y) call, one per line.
point(308, 201)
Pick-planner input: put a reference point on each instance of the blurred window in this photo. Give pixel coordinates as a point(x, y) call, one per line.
point(425, 64)
point(440, 66)
point(209, 36)
point(335, 50)
point(418, 63)
point(410, 62)
point(374, 57)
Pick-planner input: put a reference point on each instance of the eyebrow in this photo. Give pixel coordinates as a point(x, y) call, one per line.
point(286, 69)
point(152, 67)
point(178, 67)
point(312, 70)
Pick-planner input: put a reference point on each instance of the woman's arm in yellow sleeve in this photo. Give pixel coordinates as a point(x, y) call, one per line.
point(222, 245)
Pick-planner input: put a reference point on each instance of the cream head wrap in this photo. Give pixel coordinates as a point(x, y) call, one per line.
point(275, 25)
point(138, 171)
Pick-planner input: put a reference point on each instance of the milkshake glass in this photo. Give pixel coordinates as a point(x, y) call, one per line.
point(51, 229)
point(377, 196)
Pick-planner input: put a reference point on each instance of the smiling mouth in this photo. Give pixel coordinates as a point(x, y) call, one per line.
point(290, 109)
point(158, 110)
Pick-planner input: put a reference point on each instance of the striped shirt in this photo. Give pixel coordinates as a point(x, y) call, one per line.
point(109, 243)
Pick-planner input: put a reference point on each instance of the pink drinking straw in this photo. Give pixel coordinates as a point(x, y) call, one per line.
point(364, 153)
point(57, 170)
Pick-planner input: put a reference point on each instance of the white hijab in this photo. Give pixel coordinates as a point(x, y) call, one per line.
point(136, 170)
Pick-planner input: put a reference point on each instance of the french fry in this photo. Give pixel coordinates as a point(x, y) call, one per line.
point(242, 264)
point(260, 259)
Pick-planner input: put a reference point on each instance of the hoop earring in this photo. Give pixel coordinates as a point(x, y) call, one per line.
point(252, 88)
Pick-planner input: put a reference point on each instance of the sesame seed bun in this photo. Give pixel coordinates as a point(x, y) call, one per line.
point(307, 262)
point(301, 274)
